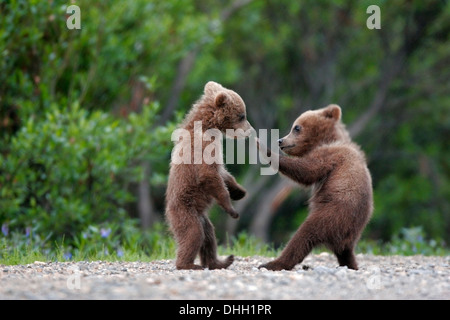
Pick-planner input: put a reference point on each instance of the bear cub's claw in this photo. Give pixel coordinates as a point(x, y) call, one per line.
point(233, 214)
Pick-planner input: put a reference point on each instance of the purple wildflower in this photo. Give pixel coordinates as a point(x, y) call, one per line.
point(67, 255)
point(120, 253)
point(5, 229)
point(105, 232)
point(27, 231)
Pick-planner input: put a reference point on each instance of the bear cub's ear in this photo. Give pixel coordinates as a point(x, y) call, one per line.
point(212, 88)
point(333, 111)
point(222, 99)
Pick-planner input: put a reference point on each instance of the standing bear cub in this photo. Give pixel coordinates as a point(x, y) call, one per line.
point(194, 183)
point(322, 155)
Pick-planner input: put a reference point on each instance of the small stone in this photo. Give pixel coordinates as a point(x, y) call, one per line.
point(153, 281)
point(324, 270)
point(342, 271)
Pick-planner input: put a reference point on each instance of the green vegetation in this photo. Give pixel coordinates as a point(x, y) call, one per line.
point(86, 117)
point(105, 244)
point(71, 170)
point(94, 244)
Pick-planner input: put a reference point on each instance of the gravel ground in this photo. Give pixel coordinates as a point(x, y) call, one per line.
point(379, 277)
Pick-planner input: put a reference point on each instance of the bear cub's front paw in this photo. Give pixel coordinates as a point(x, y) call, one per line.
point(237, 194)
point(276, 266)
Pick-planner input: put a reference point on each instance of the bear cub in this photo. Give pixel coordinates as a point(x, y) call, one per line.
point(193, 186)
point(322, 155)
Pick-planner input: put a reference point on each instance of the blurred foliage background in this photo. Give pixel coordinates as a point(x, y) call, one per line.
point(86, 115)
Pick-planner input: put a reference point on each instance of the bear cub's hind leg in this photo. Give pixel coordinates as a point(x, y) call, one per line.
point(189, 239)
point(208, 250)
point(347, 258)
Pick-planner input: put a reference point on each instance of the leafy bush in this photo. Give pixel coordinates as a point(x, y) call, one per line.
point(409, 241)
point(412, 241)
point(42, 62)
point(70, 172)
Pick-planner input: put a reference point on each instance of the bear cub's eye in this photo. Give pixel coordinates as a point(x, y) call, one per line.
point(241, 117)
point(297, 128)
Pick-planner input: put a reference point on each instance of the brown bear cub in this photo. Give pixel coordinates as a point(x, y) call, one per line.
point(322, 155)
point(193, 184)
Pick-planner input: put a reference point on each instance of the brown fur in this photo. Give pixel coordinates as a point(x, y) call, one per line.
point(192, 187)
point(324, 157)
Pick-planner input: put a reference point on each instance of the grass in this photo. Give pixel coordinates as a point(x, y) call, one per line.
point(161, 248)
point(30, 254)
point(244, 245)
point(158, 244)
